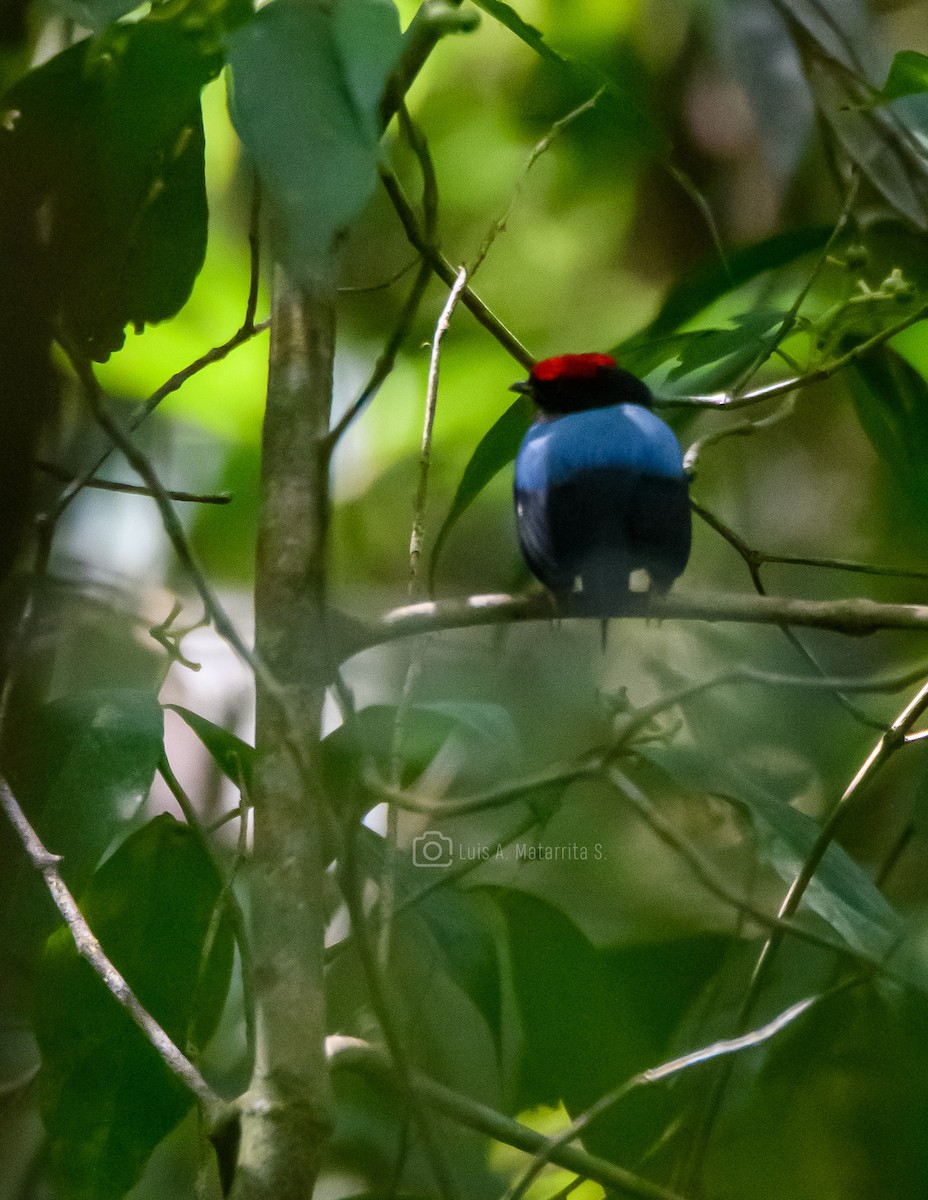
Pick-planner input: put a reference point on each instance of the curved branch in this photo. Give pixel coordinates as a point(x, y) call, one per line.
point(852, 617)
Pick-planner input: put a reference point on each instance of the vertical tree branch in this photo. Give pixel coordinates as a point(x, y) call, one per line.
point(286, 1111)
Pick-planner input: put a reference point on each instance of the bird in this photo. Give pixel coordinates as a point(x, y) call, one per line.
point(600, 487)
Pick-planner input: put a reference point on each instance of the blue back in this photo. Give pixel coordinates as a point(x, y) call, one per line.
point(624, 435)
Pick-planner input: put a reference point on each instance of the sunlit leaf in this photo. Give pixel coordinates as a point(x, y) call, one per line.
point(712, 359)
point(305, 100)
point(107, 1097)
point(908, 76)
point(507, 15)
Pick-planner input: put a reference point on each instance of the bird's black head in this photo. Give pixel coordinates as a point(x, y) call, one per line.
point(573, 383)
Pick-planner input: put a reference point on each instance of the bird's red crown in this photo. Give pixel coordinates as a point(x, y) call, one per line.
point(570, 366)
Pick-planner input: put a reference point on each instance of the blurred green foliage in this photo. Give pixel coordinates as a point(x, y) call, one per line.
point(559, 943)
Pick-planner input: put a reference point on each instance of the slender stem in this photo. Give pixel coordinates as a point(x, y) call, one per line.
point(685, 1062)
point(227, 904)
point(131, 489)
point(378, 986)
point(425, 450)
point(753, 561)
point(887, 745)
point(89, 948)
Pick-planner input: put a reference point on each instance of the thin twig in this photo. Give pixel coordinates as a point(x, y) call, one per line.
point(172, 526)
point(789, 320)
point(378, 985)
point(719, 1049)
point(387, 358)
point(254, 257)
point(177, 381)
point(425, 450)
point(90, 949)
point(131, 489)
point(557, 128)
point(887, 745)
point(757, 558)
point(363, 289)
point(753, 561)
point(445, 271)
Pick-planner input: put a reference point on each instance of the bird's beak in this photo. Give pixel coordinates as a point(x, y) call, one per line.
point(523, 387)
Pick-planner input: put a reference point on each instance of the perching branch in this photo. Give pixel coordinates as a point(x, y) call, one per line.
point(90, 949)
point(852, 617)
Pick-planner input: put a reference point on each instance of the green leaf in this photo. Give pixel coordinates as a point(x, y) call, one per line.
point(496, 449)
point(108, 140)
point(452, 926)
point(94, 14)
point(231, 755)
point(619, 89)
point(703, 286)
point(711, 359)
point(841, 892)
point(79, 766)
point(891, 401)
point(305, 100)
point(882, 148)
point(483, 732)
point(908, 76)
point(107, 1098)
point(593, 1017)
point(369, 41)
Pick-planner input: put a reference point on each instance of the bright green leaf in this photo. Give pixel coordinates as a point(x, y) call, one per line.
point(908, 76)
point(305, 101)
point(593, 1017)
point(107, 1097)
point(712, 359)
